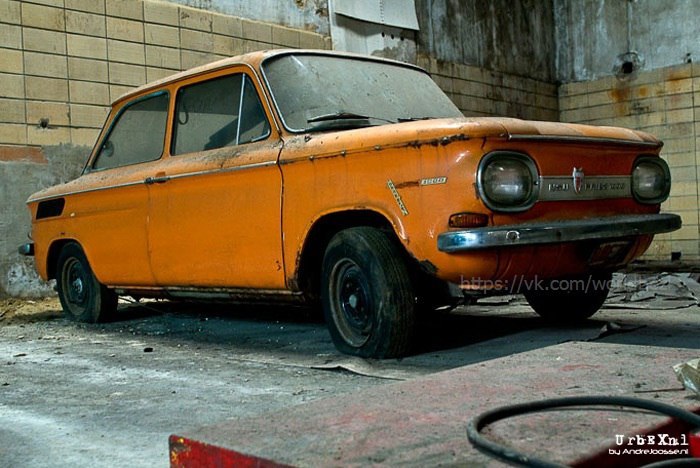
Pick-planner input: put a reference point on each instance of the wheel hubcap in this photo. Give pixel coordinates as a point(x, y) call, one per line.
point(75, 283)
point(77, 287)
point(351, 303)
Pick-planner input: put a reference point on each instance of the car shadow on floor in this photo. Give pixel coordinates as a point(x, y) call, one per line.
point(297, 335)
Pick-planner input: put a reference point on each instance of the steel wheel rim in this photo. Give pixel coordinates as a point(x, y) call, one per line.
point(351, 303)
point(75, 284)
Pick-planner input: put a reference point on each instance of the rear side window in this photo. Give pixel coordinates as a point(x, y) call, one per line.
point(137, 135)
point(217, 113)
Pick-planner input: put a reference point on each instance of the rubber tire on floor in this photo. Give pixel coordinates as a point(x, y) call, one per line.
point(82, 297)
point(366, 293)
point(570, 304)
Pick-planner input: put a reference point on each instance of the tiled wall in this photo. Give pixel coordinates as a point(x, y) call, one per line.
point(480, 92)
point(666, 103)
point(63, 61)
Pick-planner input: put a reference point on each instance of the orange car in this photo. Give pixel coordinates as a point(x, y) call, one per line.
point(349, 180)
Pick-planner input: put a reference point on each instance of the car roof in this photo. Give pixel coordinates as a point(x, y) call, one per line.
point(252, 59)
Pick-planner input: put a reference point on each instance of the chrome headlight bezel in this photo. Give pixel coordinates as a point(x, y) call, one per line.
point(658, 165)
point(530, 185)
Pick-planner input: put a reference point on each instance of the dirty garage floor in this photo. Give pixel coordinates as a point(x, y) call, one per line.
point(109, 395)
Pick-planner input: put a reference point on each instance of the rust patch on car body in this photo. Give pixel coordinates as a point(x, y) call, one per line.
point(407, 184)
point(442, 141)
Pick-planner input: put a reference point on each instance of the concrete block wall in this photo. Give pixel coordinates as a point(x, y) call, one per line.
point(63, 61)
point(480, 92)
point(666, 103)
point(61, 64)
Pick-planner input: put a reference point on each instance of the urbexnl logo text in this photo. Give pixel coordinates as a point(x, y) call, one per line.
point(660, 444)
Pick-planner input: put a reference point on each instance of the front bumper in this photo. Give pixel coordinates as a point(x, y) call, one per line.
point(552, 232)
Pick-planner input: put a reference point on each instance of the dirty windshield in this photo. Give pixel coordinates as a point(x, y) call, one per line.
point(319, 92)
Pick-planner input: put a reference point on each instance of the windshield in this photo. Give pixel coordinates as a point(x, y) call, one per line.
point(321, 92)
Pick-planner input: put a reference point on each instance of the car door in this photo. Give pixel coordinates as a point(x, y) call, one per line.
point(214, 219)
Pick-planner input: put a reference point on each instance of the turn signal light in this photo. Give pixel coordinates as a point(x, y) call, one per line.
point(468, 220)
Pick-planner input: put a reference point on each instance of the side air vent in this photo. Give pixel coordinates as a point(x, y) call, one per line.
point(50, 208)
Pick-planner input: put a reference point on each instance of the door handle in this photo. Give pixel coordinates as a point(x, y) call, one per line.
point(159, 178)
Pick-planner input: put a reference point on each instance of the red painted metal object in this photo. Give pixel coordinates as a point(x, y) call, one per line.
point(694, 440)
point(187, 453)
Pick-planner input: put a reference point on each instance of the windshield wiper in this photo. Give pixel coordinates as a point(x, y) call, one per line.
point(337, 116)
point(413, 119)
point(344, 116)
point(342, 121)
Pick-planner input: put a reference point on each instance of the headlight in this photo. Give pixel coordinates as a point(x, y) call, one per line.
point(507, 181)
point(651, 180)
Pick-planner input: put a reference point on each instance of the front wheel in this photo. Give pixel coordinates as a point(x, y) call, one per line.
point(82, 297)
point(366, 294)
point(570, 300)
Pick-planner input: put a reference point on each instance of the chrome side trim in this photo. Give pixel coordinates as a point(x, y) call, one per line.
point(555, 188)
point(573, 139)
point(611, 227)
point(223, 171)
point(397, 197)
point(230, 293)
point(79, 192)
point(213, 293)
point(147, 181)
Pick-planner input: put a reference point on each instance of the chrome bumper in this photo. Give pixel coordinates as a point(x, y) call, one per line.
point(557, 231)
point(26, 249)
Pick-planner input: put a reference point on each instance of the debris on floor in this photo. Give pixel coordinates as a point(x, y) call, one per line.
point(16, 310)
point(689, 374)
point(662, 291)
point(658, 291)
point(614, 328)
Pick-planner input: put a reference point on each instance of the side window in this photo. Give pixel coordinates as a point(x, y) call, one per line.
point(221, 112)
point(137, 135)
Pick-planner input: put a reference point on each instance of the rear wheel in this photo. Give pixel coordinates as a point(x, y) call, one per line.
point(367, 296)
point(82, 297)
point(570, 300)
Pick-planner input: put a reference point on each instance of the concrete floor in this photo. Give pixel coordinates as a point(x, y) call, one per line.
point(110, 395)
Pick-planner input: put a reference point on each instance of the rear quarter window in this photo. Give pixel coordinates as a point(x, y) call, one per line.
point(137, 134)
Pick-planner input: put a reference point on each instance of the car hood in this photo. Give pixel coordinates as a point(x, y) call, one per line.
point(442, 132)
point(529, 129)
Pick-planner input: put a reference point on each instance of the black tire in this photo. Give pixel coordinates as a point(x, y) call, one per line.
point(366, 294)
point(82, 297)
point(570, 300)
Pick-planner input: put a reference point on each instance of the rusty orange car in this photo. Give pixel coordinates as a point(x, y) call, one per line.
point(347, 181)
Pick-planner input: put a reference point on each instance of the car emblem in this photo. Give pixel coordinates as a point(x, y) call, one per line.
point(578, 179)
